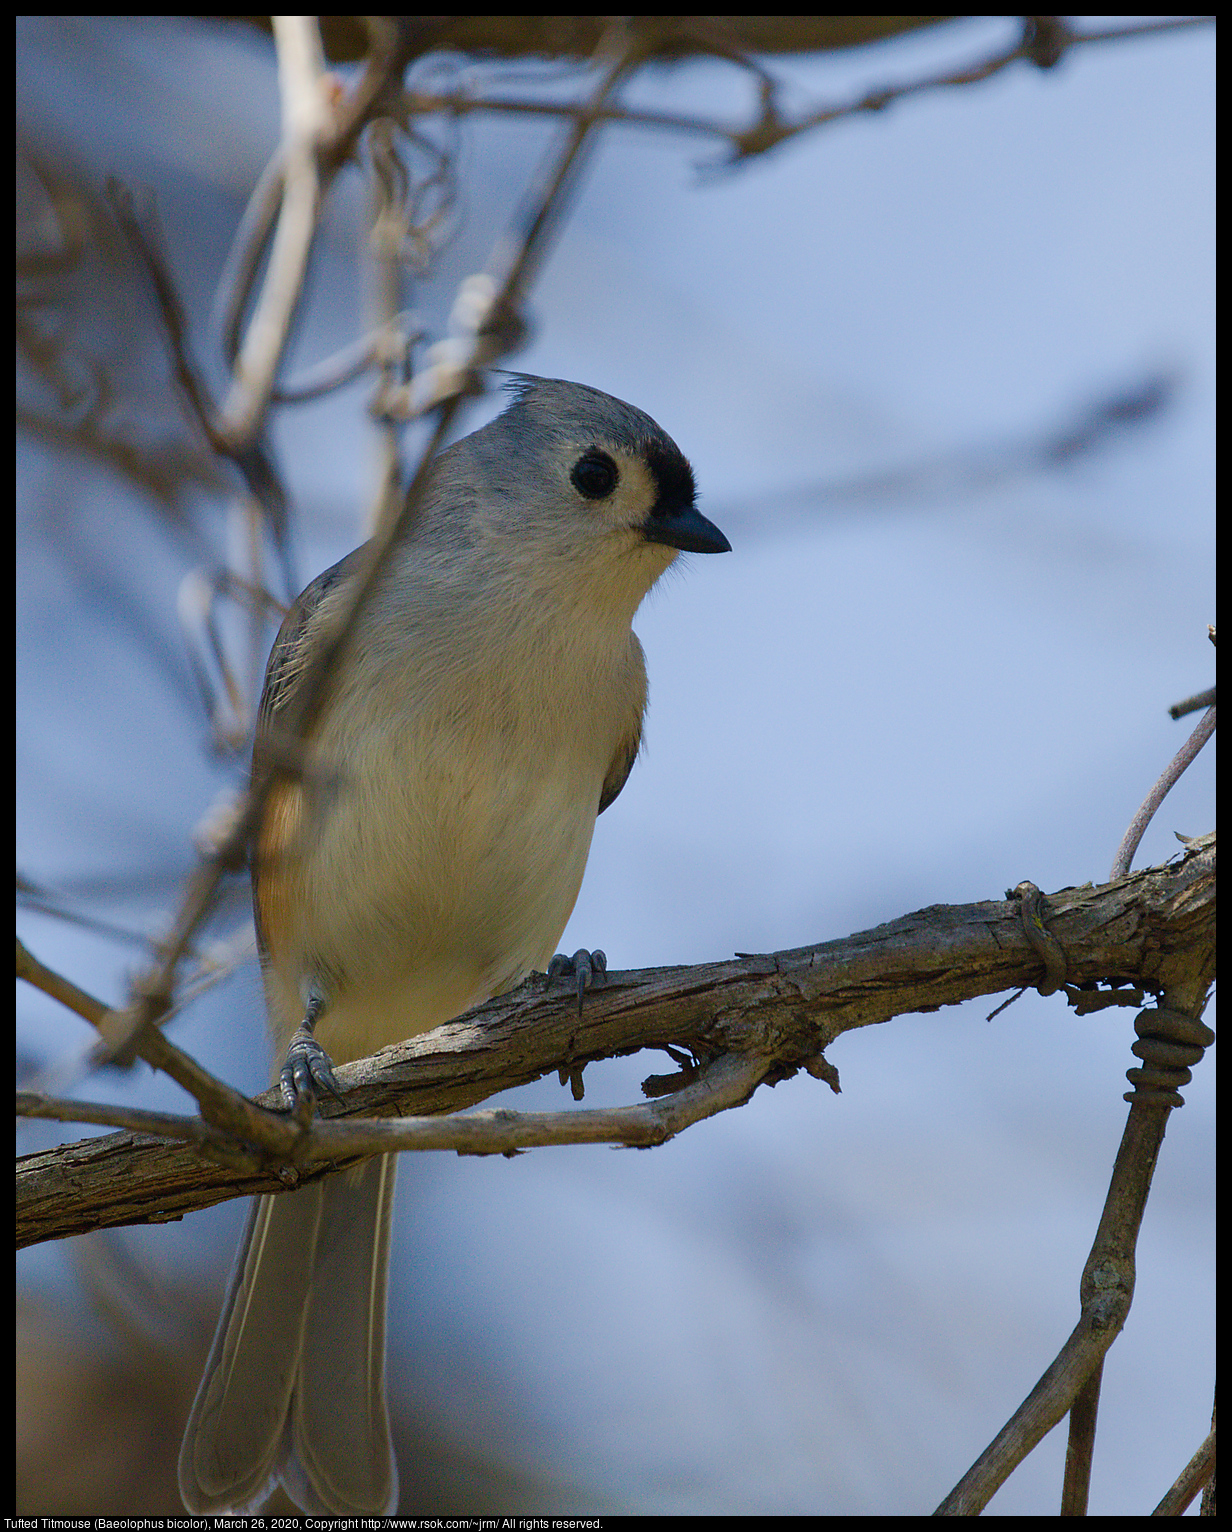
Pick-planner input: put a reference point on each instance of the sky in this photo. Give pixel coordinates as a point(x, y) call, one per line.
point(937, 661)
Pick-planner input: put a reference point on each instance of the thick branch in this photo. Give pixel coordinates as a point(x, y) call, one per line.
point(785, 1007)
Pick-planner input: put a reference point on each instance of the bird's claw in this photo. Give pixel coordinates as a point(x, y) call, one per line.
point(308, 1070)
point(589, 967)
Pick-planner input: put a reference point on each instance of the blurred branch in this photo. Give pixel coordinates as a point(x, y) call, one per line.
point(346, 38)
point(576, 37)
point(305, 120)
point(1084, 428)
point(390, 341)
point(65, 1071)
point(166, 473)
point(320, 125)
point(58, 987)
point(70, 269)
point(776, 1012)
point(1044, 41)
point(33, 896)
point(227, 697)
point(229, 1114)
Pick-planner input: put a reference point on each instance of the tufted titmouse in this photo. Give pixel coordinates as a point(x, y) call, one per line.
point(486, 707)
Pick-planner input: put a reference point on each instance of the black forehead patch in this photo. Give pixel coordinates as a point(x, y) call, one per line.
point(673, 475)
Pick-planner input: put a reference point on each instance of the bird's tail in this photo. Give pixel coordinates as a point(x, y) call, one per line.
point(294, 1389)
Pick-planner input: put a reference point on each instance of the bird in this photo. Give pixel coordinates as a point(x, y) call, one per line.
point(487, 704)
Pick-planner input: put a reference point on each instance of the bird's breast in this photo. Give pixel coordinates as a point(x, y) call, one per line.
point(429, 859)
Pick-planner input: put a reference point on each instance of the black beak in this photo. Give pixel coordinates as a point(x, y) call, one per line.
point(685, 528)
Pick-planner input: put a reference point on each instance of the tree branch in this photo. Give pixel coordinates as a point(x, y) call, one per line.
point(1072, 1382)
point(778, 1010)
point(1043, 42)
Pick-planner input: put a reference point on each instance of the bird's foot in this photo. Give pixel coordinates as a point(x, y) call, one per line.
point(588, 967)
point(307, 1071)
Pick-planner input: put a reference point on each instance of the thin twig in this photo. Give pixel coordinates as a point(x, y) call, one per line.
point(487, 310)
point(32, 897)
point(726, 1082)
point(318, 135)
point(384, 295)
point(388, 340)
point(37, 1104)
point(250, 457)
point(1107, 1290)
point(67, 1070)
point(239, 272)
point(221, 1105)
point(1080, 1448)
point(1137, 826)
point(59, 988)
point(1195, 1475)
point(305, 115)
point(770, 130)
point(1192, 704)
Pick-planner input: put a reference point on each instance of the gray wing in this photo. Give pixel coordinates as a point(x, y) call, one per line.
point(294, 639)
point(292, 647)
point(630, 740)
point(622, 765)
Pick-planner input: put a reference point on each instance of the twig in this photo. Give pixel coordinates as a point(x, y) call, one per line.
point(222, 1107)
point(726, 1082)
point(1108, 1284)
point(66, 1070)
point(770, 130)
point(1195, 1475)
point(1080, 1449)
point(36, 1104)
point(486, 311)
point(167, 474)
point(239, 272)
point(318, 135)
point(1107, 1290)
point(145, 244)
point(388, 341)
point(30, 896)
point(305, 113)
point(1192, 704)
point(251, 456)
point(1137, 825)
point(59, 988)
point(196, 606)
point(384, 272)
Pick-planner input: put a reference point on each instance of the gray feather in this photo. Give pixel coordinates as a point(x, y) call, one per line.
point(342, 1459)
point(294, 1386)
point(233, 1441)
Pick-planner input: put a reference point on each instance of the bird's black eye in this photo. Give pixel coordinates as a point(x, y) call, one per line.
point(595, 475)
